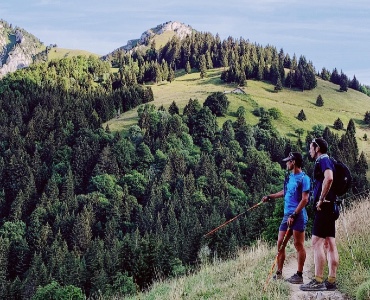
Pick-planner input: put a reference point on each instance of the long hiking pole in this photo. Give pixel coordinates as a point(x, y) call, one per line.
point(233, 219)
point(276, 258)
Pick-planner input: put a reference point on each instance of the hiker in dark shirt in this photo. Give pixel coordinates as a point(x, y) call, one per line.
point(323, 231)
point(296, 191)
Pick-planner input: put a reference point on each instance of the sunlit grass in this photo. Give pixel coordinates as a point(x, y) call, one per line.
point(353, 240)
point(58, 53)
point(241, 278)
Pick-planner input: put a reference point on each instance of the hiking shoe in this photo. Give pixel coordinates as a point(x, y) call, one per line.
point(330, 286)
point(277, 276)
point(313, 285)
point(295, 279)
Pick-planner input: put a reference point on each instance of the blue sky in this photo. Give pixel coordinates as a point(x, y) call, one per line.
point(329, 33)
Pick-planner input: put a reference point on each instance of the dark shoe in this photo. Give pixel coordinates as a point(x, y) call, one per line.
point(330, 286)
point(313, 285)
point(295, 279)
point(278, 276)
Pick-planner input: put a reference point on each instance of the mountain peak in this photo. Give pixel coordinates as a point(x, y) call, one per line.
point(179, 29)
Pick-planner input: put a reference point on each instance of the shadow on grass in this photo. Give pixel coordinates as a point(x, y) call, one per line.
point(289, 134)
point(269, 90)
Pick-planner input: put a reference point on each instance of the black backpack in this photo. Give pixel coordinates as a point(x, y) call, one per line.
point(342, 178)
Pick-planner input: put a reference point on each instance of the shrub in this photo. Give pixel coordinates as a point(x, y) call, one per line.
point(275, 113)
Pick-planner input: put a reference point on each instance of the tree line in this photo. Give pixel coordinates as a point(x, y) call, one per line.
point(241, 59)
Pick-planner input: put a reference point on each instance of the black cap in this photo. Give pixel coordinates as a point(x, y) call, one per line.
point(295, 156)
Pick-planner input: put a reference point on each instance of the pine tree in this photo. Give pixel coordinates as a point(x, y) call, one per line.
point(278, 86)
point(171, 75)
point(173, 109)
point(301, 116)
point(338, 124)
point(203, 66)
point(319, 101)
point(187, 67)
point(367, 118)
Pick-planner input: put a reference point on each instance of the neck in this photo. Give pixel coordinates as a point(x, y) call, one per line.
point(297, 170)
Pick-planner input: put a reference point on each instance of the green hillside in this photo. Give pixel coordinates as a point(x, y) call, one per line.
point(58, 53)
point(343, 105)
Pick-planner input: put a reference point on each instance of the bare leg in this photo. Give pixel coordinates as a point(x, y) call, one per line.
point(319, 255)
point(281, 253)
point(299, 246)
point(333, 256)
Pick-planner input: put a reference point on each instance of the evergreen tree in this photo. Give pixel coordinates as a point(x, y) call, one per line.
point(187, 67)
point(203, 66)
point(301, 116)
point(173, 109)
point(171, 75)
point(367, 118)
point(319, 101)
point(217, 103)
point(278, 86)
point(338, 124)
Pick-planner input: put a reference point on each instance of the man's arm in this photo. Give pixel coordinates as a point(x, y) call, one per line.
point(326, 185)
point(273, 196)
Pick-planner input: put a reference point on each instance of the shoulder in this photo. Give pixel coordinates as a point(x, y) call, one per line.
point(325, 162)
point(306, 181)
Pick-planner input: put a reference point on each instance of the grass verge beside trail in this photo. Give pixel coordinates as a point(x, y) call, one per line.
point(241, 278)
point(353, 238)
point(244, 276)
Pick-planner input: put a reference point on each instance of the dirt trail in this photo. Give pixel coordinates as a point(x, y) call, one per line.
point(290, 267)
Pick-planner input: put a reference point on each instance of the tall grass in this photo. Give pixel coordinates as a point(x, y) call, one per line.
point(353, 240)
point(244, 276)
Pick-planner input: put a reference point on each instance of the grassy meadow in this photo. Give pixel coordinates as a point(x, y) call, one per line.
point(59, 53)
point(244, 276)
point(343, 105)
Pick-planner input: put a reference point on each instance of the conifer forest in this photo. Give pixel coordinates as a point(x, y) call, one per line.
point(88, 210)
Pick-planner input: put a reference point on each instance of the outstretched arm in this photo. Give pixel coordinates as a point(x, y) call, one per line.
point(269, 197)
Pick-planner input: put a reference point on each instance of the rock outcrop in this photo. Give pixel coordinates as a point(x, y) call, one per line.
point(17, 48)
point(180, 29)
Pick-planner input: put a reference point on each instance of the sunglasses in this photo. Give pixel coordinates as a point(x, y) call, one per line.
point(290, 155)
point(314, 142)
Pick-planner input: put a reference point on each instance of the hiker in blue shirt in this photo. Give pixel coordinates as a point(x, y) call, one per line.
point(296, 193)
point(323, 231)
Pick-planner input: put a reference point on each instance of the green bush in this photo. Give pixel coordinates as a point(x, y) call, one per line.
point(54, 291)
point(363, 292)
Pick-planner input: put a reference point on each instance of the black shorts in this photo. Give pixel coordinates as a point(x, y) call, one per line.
point(323, 224)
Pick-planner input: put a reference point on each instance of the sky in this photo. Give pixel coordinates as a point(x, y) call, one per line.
point(330, 33)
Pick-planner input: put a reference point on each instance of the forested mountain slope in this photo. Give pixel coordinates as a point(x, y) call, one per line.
point(86, 210)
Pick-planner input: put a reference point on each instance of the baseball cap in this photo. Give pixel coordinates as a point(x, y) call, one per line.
point(294, 156)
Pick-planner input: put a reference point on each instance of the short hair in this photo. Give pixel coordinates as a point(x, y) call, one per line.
point(321, 143)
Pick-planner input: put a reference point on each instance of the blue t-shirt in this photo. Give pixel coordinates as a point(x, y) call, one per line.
point(296, 184)
point(322, 163)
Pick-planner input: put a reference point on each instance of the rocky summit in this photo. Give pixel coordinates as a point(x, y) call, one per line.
point(17, 48)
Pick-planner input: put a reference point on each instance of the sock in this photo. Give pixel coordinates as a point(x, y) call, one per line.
point(300, 274)
point(319, 279)
point(331, 279)
point(278, 272)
